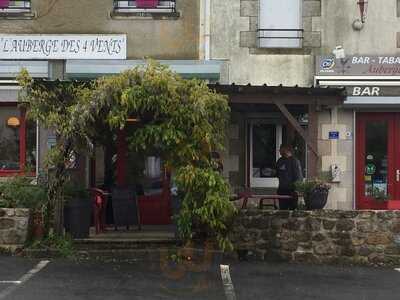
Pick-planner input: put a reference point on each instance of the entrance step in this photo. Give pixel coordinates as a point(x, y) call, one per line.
point(124, 244)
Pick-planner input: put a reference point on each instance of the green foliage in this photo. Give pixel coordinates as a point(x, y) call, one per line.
point(181, 120)
point(19, 192)
point(311, 184)
point(62, 244)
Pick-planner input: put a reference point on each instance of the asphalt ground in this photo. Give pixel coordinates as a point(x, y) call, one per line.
point(64, 279)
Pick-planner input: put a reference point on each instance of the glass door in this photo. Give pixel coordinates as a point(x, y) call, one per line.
point(376, 162)
point(265, 140)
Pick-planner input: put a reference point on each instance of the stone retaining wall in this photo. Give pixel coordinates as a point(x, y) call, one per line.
point(13, 227)
point(361, 237)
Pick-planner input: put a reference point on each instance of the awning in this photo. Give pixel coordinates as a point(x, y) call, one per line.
point(82, 69)
point(371, 102)
point(11, 68)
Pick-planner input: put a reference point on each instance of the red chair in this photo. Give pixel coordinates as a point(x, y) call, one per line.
point(156, 209)
point(99, 204)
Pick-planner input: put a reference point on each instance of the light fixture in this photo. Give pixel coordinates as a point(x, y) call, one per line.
point(363, 5)
point(13, 122)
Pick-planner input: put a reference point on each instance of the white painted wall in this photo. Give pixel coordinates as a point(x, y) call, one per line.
point(378, 35)
point(243, 67)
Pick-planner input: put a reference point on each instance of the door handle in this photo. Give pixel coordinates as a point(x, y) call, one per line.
point(397, 175)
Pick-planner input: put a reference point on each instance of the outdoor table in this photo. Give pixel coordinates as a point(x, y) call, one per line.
point(260, 197)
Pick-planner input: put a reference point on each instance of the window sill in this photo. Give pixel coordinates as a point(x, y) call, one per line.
point(134, 15)
point(17, 15)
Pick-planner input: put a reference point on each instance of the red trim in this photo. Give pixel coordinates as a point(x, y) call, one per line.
point(22, 140)
point(22, 145)
point(363, 202)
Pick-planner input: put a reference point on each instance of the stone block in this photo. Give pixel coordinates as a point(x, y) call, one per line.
point(313, 224)
point(311, 8)
point(304, 257)
point(248, 8)
point(312, 39)
point(344, 225)
point(378, 239)
point(248, 39)
point(365, 226)
point(2, 212)
point(289, 245)
point(10, 212)
point(328, 224)
point(307, 23)
point(324, 249)
point(253, 23)
point(7, 223)
point(364, 250)
point(20, 212)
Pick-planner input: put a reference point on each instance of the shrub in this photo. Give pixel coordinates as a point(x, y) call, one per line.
point(20, 192)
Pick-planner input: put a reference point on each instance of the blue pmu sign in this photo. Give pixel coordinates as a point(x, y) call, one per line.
point(333, 135)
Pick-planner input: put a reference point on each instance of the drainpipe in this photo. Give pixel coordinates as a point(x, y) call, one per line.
point(207, 29)
point(204, 38)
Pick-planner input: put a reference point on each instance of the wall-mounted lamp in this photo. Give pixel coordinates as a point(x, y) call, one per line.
point(13, 122)
point(359, 23)
point(363, 5)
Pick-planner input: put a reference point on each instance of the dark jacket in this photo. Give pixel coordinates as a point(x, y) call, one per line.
point(288, 172)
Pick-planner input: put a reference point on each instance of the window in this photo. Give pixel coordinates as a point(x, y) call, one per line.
point(280, 24)
point(17, 141)
point(15, 6)
point(151, 6)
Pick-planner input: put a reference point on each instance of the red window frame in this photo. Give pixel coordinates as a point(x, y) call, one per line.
point(22, 143)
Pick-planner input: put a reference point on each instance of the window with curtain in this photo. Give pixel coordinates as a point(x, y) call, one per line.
point(280, 24)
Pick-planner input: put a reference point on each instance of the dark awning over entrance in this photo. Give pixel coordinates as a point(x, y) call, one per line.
point(312, 99)
point(264, 94)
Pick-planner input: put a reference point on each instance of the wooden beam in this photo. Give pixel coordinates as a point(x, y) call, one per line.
point(297, 126)
point(312, 158)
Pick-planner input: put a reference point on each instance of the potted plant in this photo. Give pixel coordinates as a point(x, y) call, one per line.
point(314, 191)
point(77, 211)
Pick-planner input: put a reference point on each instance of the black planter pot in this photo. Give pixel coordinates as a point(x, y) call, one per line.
point(77, 213)
point(316, 199)
point(125, 208)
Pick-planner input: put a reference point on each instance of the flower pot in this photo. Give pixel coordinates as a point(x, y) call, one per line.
point(77, 213)
point(146, 3)
point(316, 199)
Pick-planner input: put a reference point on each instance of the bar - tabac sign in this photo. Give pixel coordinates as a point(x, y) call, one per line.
point(358, 66)
point(65, 46)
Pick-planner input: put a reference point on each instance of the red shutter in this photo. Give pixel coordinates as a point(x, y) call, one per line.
point(146, 3)
point(4, 3)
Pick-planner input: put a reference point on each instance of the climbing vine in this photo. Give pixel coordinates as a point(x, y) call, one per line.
point(182, 119)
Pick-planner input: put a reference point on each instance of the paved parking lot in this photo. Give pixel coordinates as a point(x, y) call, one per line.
point(63, 279)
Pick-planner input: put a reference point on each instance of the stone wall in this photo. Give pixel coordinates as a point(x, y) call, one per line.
point(326, 236)
point(13, 227)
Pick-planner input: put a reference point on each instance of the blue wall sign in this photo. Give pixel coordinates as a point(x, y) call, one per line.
point(333, 135)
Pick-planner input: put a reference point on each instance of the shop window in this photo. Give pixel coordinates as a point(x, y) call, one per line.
point(280, 24)
point(15, 6)
point(144, 6)
point(17, 141)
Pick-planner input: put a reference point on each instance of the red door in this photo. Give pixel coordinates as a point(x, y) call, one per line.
point(378, 161)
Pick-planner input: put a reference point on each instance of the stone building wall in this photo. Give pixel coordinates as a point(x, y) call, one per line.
point(326, 236)
point(13, 227)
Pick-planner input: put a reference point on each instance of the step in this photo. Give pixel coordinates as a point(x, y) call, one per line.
point(115, 244)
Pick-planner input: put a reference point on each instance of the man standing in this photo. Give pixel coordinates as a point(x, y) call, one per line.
point(289, 171)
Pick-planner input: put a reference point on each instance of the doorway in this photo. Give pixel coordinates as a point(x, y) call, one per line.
point(378, 160)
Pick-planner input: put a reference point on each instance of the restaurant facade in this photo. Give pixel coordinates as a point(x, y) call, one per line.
point(364, 132)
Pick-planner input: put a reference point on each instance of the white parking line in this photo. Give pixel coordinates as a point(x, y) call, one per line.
point(24, 279)
point(227, 281)
point(10, 282)
point(397, 269)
